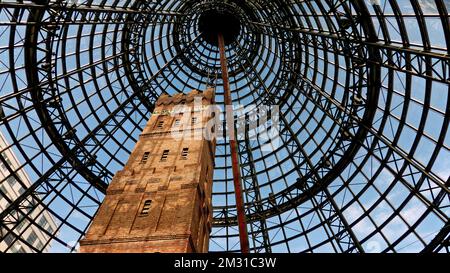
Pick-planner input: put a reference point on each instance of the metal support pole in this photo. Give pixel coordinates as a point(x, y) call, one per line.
point(242, 223)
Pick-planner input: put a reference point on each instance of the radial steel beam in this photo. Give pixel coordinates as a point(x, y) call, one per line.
point(258, 229)
point(242, 223)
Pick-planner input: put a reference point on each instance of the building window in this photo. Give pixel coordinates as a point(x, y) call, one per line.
point(185, 153)
point(8, 162)
point(160, 124)
point(9, 239)
point(165, 155)
point(12, 181)
point(21, 225)
point(145, 157)
point(146, 208)
point(40, 246)
point(177, 122)
point(50, 229)
point(3, 189)
point(43, 222)
point(19, 249)
point(194, 120)
point(32, 238)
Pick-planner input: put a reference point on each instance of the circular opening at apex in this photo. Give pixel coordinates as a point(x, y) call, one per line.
point(213, 22)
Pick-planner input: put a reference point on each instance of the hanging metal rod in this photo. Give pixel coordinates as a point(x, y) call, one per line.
point(242, 223)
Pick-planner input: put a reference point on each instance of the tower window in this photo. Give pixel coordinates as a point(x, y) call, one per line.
point(165, 155)
point(145, 157)
point(146, 209)
point(184, 153)
point(160, 124)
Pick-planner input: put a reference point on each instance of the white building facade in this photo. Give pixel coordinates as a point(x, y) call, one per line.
point(11, 189)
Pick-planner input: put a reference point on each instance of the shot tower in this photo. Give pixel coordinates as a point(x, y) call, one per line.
point(161, 200)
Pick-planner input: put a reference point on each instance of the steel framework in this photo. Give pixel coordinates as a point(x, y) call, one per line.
point(363, 89)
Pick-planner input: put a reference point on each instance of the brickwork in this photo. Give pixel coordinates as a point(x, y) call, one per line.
point(161, 200)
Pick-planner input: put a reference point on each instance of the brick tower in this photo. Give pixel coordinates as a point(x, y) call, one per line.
point(161, 200)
